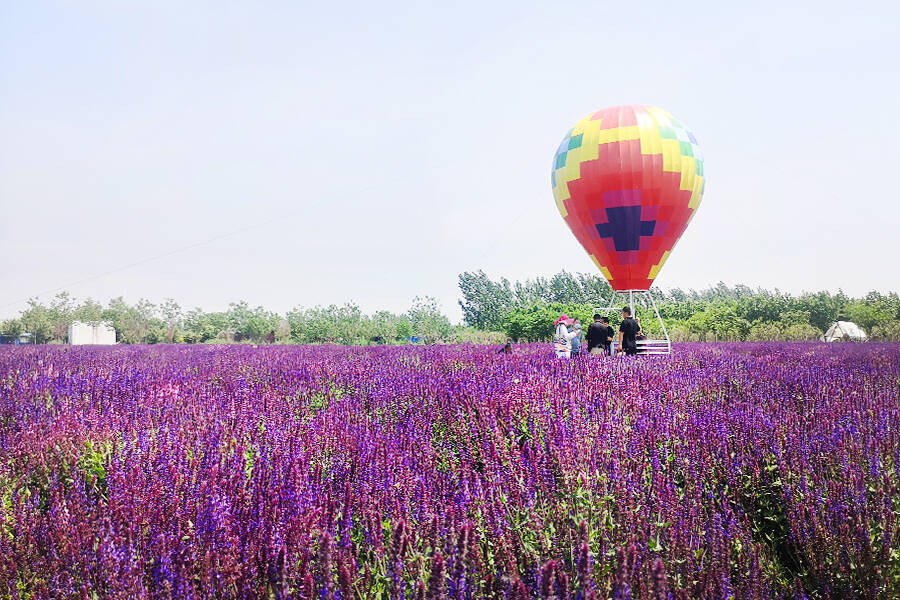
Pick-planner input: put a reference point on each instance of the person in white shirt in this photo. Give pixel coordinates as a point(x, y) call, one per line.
point(562, 338)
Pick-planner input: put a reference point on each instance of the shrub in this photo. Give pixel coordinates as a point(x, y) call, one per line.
point(470, 335)
point(801, 332)
point(886, 332)
point(765, 332)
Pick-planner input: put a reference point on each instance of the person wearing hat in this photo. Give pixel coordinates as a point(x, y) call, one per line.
point(562, 339)
point(576, 341)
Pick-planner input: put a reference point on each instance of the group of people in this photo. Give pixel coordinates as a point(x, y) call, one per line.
point(569, 341)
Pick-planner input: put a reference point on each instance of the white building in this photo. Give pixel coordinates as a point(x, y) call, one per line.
point(95, 332)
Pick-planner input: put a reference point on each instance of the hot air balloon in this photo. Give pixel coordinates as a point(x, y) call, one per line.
point(627, 181)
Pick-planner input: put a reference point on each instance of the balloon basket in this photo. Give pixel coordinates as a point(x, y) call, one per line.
point(645, 300)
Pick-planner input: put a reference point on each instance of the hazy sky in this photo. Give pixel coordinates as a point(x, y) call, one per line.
point(386, 147)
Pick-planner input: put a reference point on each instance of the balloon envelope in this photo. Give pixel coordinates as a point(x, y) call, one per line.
point(627, 180)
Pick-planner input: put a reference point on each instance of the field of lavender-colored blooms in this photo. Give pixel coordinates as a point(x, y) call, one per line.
point(723, 471)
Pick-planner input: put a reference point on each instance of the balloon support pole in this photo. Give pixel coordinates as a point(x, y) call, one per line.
point(645, 298)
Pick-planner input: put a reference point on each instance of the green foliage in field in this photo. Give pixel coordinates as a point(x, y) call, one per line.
point(492, 311)
point(526, 310)
point(148, 323)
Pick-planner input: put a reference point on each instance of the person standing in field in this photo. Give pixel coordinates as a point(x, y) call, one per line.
point(576, 341)
point(640, 333)
point(562, 338)
point(596, 335)
point(607, 336)
point(628, 331)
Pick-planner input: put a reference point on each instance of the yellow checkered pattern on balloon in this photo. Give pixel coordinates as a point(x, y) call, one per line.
point(659, 134)
point(627, 180)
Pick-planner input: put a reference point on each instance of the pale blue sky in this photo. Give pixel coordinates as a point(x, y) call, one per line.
point(391, 146)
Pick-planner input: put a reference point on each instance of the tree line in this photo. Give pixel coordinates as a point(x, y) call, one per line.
point(493, 311)
point(525, 310)
point(145, 322)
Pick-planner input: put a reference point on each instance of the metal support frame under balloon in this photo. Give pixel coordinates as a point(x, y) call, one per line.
point(644, 346)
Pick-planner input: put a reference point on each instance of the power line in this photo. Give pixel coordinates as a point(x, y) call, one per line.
point(186, 247)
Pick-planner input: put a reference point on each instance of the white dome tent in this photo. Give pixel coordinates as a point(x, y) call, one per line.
point(844, 331)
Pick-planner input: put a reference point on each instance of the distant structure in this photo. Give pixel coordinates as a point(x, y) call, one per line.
point(844, 331)
point(93, 333)
point(23, 338)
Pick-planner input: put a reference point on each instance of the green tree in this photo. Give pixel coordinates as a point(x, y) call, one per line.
point(868, 314)
point(239, 315)
point(564, 288)
point(428, 322)
point(823, 307)
point(800, 332)
point(88, 311)
point(62, 312)
point(12, 327)
point(331, 324)
point(764, 307)
point(404, 328)
point(38, 320)
point(535, 322)
point(115, 313)
point(200, 327)
point(383, 327)
point(283, 331)
point(722, 320)
point(351, 324)
point(136, 324)
point(171, 318)
point(888, 331)
point(252, 324)
point(765, 332)
point(470, 335)
point(484, 302)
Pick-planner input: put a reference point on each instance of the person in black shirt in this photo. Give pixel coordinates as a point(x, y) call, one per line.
point(599, 335)
point(596, 334)
point(610, 334)
point(628, 330)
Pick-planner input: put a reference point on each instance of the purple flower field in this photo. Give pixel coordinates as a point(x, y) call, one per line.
point(723, 471)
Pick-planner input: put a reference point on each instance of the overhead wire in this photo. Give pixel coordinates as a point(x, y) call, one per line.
point(187, 247)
